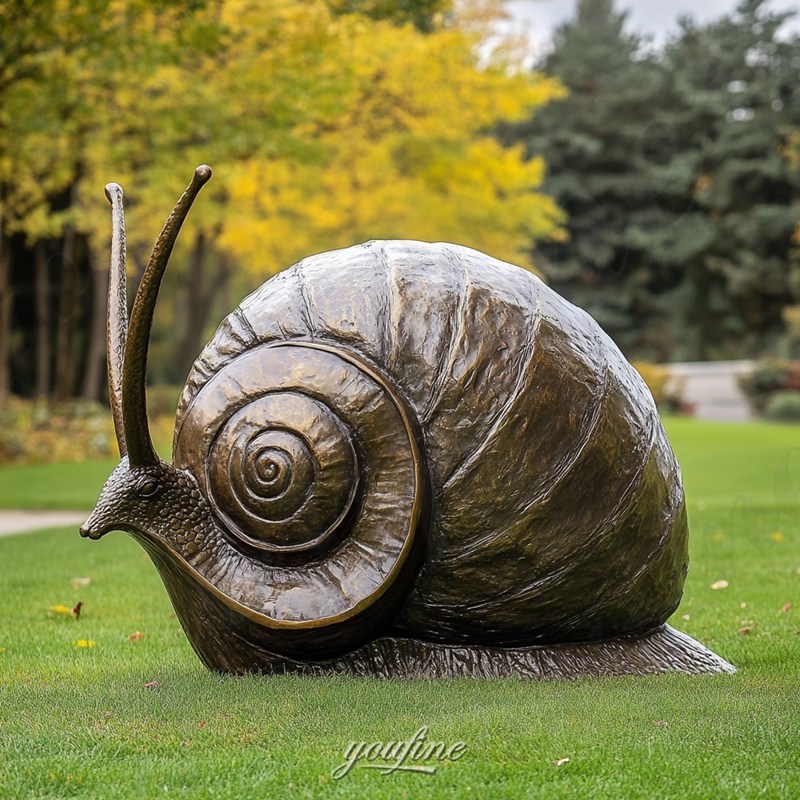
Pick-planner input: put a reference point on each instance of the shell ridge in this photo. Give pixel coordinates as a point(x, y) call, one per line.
point(389, 324)
point(573, 561)
point(582, 445)
point(438, 383)
point(208, 363)
point(242, 317)
point(542, 497)
point(508, 406)
point(609, 596)
point(305, 311)
point(456, 261)
point(646, 451)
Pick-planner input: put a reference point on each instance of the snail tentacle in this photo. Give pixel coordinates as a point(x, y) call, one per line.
point(134, 399)
point(117, 321)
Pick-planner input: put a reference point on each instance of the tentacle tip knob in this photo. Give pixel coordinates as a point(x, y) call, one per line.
point(113, 190)
point(202, 174)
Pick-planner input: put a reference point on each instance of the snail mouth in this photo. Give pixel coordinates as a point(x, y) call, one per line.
point(90, 530)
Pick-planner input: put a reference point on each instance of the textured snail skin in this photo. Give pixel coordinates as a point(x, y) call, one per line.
point(410, 459)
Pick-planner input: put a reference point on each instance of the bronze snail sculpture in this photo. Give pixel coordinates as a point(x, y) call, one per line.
point(407, 460)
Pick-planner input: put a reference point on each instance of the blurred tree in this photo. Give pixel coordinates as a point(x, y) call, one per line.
point(672, 168)
point(323, 126)
point(405, 154)
point(32, 32)
point(420, 13)
point(325, 130)
point(600, 144)
point(61, 69)
point(731, 196)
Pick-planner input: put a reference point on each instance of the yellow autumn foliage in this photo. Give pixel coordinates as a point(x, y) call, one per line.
point(404, 152)
point(323, 129)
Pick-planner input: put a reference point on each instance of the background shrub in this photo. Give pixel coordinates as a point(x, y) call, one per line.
point(38, 432)
point(769, 377)
point(783, 406)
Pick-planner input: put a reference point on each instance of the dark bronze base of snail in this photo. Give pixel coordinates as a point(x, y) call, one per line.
point(229, 643)
point(660, 651)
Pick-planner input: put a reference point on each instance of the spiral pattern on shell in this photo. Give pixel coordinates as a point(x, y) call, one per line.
point(282, 472)
point(309, 460)
point(556, 507)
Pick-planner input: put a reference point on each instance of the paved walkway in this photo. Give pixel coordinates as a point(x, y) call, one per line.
point(13, 521)
point(711, 389)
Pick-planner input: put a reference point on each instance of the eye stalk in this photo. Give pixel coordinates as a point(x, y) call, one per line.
point(117, 324)
point(128, 362)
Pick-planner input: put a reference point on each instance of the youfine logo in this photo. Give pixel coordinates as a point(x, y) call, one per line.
point(416, 754)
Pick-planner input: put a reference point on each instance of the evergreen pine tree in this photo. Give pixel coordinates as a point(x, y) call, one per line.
point(673, 169)
point(599, 144)
point(731, 199)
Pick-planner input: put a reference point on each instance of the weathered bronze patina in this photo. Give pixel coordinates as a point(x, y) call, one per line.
point(403, 459)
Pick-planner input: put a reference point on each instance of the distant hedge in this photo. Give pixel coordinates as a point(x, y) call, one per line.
point(769, 379)
point(38, 432)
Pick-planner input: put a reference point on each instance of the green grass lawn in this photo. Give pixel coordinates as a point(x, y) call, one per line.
point(53, 486)
point(80, 722)
point(57, 486)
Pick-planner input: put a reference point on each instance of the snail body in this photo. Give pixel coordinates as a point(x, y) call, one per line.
point(405, 458)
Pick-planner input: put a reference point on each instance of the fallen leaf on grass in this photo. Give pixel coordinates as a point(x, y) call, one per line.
point(744, 631)
point(661, 723)
point(720, 585)
point(152, 685)
point(84, 643)
point(73, 612)
point(685, 617)
point(134, 637)
point(785, 607)
point(76, 582)
point(202, 724)
point(559, 762)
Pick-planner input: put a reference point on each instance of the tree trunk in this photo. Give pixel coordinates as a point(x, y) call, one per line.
point(5, 315)
point(198, 304)
point(42, 319)
point(223, 291)
point(67, 317)
point(96, 357)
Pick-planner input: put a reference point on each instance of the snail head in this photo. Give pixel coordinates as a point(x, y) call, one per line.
point(156, 502)
point(142, 491)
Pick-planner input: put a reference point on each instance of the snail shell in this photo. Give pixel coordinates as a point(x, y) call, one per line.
point(426, 436)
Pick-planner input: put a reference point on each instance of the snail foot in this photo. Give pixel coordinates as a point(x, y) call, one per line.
point(658, 651)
